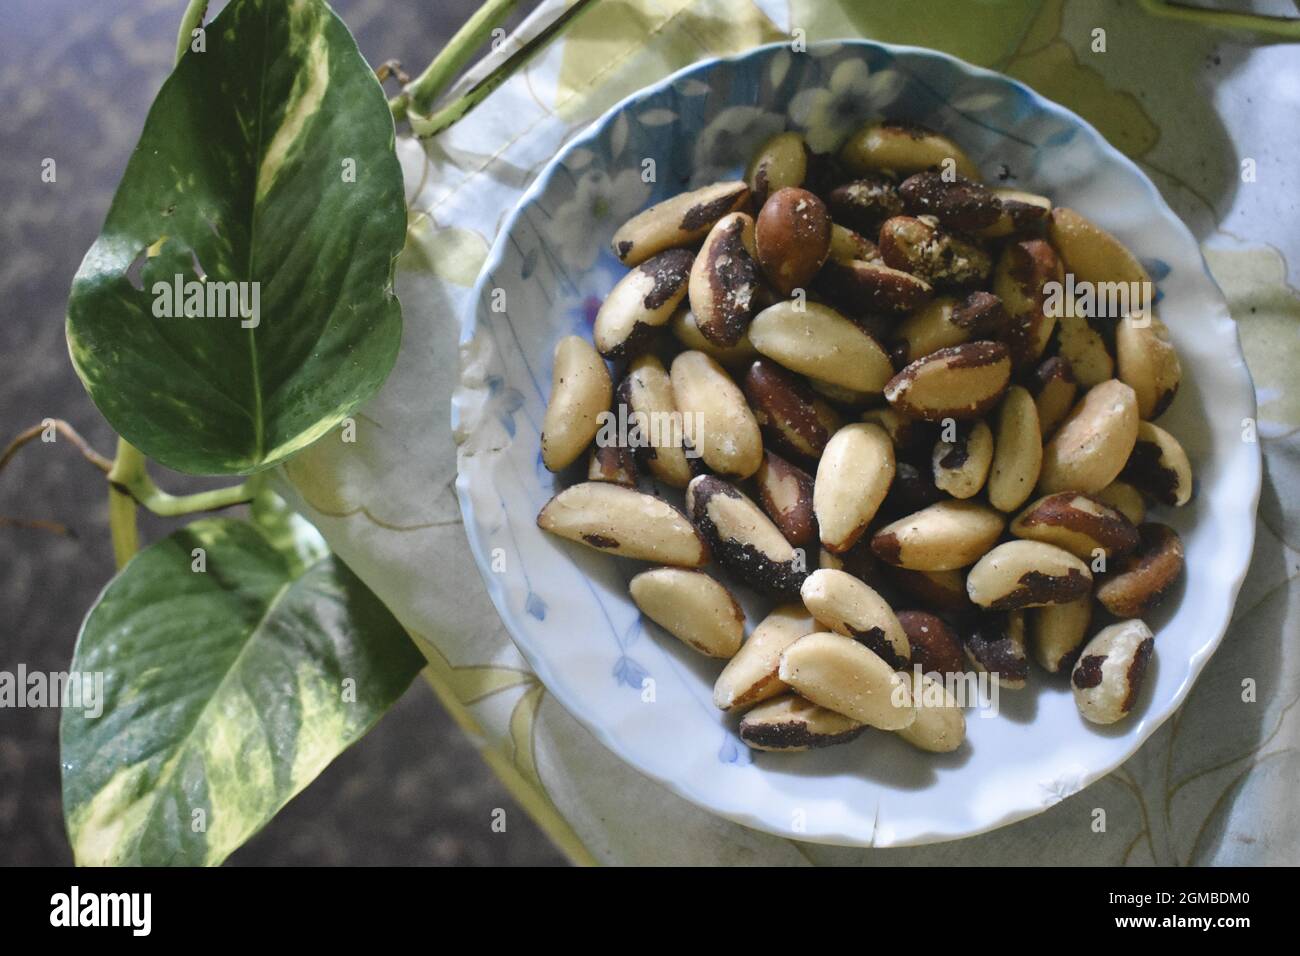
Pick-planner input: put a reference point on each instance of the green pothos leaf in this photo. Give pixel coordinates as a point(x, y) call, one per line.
point(228, 684)
point(238, 303)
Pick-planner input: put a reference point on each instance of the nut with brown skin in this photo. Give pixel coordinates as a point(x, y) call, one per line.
point(1022, 272)
point(1094, 442)
point(948, 321)
point(957, 202)
point(724, 281)
point(1057, 631)
point(853, 478)
point(1143, 578)
point(818, 341)
point(866, 286)
point(614, 463)
point(941, 258)
point(750, 676)
point(1148, 363)
point(1084, 348)
point(863, 204)
point(1079, 523)
point(1055, 389)
point(580, 391)
point(793, 238)
point(687, 332)
point(850, 607)
point(624, 522)
point(780, 162)
point(994, 643)
point(943, 537)
point(903, 148)
point(680, 221)
point(962, 465)
point(791, 415)
point(786, 492)
point(743, 539)
point(1020, 212)
point(842, 675)
point(1158, 466)
point(934, 645)
point(1108, 676)
point(692, 607)
point(790, 723)
point(641, 303)
point(961, 382)
point(727, 435)
point(1020, 574)
point(940, 725)
point(647, 392)
point(1090, 252)
point(1017, 451)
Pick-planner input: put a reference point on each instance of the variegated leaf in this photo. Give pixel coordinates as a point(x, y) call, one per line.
point(228, 685)
point(265, 195)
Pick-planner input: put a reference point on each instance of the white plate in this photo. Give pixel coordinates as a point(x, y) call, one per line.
point(567, 607)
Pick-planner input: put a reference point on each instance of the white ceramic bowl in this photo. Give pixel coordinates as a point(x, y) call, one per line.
point(567, 607)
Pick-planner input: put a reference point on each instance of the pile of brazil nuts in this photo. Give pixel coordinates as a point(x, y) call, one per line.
point(927, 468)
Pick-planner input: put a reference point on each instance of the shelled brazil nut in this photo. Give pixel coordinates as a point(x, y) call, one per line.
point(857, 376)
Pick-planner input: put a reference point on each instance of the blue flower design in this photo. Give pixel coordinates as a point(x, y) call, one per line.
point(629, 672)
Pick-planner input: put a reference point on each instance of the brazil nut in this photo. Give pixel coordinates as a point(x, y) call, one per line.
point(624, 522)
point(1017, 451)
point(1081, 524)
point(743, 539)
point(646, 391)
point(1108, 676)
point(1094, 442)
point(692, 607)
point(688, 333)
point(1158, 466)
point(853, 477)
point(793, 238)
point(1143, 578)
point(863, 204)
point(962, 465)
point(850, 607)
point(994, 643)
point(842, 675)
point(961, 382)
point(903, 148)
point(580, 391)
point(818, 341)
point(790, 414)
point(642, 303)
point(786, 493)
point(1147, 363)
point(724, 281)
point(942, 258)
point(934, 646)
point(940, 725)
point(1057, 631)
point(791, 723)
point(680, 221)
point(859, 286)
point(1023, 573)
point(725, 432)
point(943, 537)
point(1020, 280)
point(780, 162)
point(1055, 389)
point(750, 676)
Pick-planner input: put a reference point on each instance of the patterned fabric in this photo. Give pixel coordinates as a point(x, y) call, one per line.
point(1198, 110)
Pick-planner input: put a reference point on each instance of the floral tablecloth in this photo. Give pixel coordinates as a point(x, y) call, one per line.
point(1209, 115)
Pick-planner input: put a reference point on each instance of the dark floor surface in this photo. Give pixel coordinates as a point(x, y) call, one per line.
point(76, 79)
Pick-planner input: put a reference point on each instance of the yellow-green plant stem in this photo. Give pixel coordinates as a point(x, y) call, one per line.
point(190, 20)
point(425, 126)
point(420, 94)
point(129, 486)
point(1288, 28)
